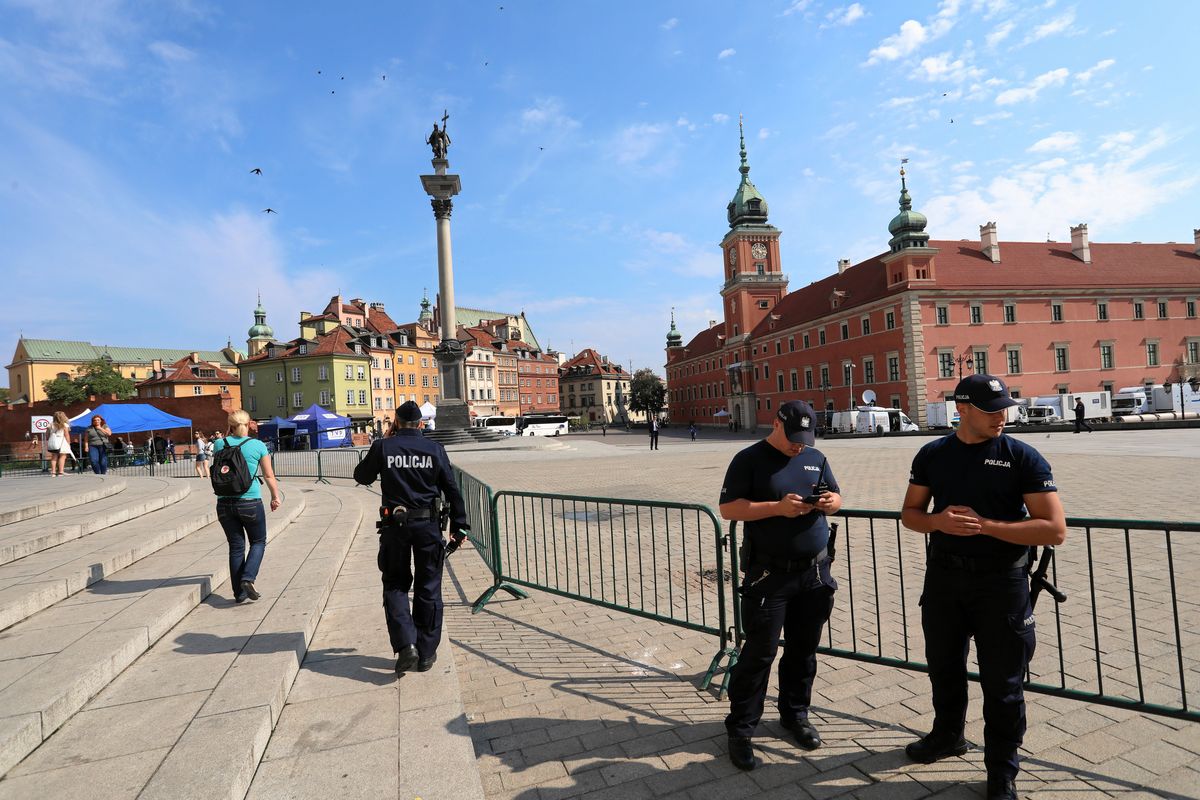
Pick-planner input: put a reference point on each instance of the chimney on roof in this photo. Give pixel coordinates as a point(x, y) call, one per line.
point(1079, 243)
point(156, 365)
point(1196, 233)
point(843, 265)
point(196, 357)
point(377, 306)
point(712, 323)
point(358, 301)
point(989, 241)
point(305, 315)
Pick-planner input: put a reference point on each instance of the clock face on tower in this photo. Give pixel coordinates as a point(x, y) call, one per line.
point(733, 257)
point(759, 250)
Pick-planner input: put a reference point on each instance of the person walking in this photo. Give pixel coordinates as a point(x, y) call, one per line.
point(241, 515)
point(692, 431)
point(983, 485)
point(654, 433)
point(1080, 411)
point(201, 455)
point(96, 440)
point(58, 443)
point(782, 488)
point(415, 475)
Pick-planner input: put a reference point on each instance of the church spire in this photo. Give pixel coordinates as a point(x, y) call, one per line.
point(748, 205)
point(674, 337)
point(907, 227)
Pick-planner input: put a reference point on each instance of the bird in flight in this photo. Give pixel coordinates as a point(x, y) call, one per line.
point(318, 72)
point(256, 171)
point(270, 211)
point(385, 77)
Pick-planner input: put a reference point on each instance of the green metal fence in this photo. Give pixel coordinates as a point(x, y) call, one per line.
point(653, 559)
point(1127, 637)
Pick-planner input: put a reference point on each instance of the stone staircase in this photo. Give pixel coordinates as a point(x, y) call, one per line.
point(127, 671)
point(465, 436)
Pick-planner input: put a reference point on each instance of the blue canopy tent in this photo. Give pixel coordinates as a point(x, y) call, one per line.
point(131, 418)
point(324, 428)
point(272, 430)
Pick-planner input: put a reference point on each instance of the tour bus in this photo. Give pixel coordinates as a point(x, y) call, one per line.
point(505, 425)
point(542, 425)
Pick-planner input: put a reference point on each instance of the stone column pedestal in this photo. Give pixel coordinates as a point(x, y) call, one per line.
point(453, 413)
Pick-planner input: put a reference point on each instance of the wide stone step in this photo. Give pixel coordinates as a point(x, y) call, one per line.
point(25, 498)
point(196, 710)
point(141, 496)
point(35, 582)
point(52, 663)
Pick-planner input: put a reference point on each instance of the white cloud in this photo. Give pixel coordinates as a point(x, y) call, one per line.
point(1105, 192)
point(669, 24)
point(987, 118)
point(807, 172)
point(1059, 24)
point(1000, 33)
point(764, 133)
point(635, 143)
point(684, 122)
point(720, 118)
point(727, 53)
point(899, 102)
point(547, 114)
point(170, 51)
point(1092, 71)
point(945, 68)
point(838, 131)
point(844, 16)
point(1121, 139)
point(912, 35)
point(797, 7)
point(1055, 77)
point(1055, 143)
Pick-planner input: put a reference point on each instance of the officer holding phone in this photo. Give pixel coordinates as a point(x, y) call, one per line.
point(415, 473)
point(781, 488)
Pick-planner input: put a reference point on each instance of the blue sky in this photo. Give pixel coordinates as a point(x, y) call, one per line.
point(597, 143)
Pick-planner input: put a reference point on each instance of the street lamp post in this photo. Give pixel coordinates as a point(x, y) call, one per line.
point(964, 358)
point(851, 367)
point(825, 387)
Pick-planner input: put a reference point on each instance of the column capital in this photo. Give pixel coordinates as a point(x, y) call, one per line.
point(442, 206)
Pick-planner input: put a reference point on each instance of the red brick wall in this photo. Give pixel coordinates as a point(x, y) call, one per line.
point(207, 412)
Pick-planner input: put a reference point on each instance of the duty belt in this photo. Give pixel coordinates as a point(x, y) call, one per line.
point(791, 564)
point(977, 563)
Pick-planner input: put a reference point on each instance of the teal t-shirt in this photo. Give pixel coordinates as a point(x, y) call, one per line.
point(253, 451)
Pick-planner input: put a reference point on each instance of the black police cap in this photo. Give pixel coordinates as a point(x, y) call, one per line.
point(408, 412)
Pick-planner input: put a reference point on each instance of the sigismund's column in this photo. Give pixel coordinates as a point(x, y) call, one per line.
point(452, 412)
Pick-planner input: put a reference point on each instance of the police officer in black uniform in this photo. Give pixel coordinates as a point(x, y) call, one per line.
point(982, 484)
point(416, 473)
point(781, 488)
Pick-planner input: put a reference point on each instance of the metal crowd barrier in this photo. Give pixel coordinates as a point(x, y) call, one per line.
point(658, 560)
point(1128, 635)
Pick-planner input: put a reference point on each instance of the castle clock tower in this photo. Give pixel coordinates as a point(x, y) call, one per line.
point(754, 285)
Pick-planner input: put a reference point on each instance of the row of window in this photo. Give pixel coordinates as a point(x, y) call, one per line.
point(942, 312)
point(324, 400)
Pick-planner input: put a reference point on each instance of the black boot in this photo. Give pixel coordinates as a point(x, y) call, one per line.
point(741, 753)
point(806, 735)
point(935, 747)
point(426, 664)
point(408, 658)
point(1001, 789)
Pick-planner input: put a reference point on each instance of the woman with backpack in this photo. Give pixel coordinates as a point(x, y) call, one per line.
point(237, 459)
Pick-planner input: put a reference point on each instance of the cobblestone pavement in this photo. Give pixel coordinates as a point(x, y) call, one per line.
point(568, 699)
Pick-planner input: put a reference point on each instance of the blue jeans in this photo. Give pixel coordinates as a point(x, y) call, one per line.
point(242, 520)
point(98, 455)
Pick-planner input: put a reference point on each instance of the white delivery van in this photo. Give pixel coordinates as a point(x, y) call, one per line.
point(879, 420)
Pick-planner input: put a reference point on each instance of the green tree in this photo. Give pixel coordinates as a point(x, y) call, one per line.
point(93, 378)
point(647, 392)
point(5, 394)
point(63, 391)
point(99, 378)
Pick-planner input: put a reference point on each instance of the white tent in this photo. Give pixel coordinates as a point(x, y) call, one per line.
point(721, 413)
point(428, 413)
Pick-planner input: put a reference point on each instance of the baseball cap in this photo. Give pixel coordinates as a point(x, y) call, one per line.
point(985, 392)
point(799, 422)
point(408, 412)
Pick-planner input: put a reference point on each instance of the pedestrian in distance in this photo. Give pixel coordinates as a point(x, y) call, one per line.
point(417, 484)
point(653, 433)
point(97, 442)
point(237, 460)
point(170, 451)
point(692, 431)
point(58, 443)
point(1080, 422)
point(781, 488)
point(983, 484)
point(201, 455)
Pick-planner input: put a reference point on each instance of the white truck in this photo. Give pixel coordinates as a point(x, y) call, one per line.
point(944, 414)
point(1132, 400)
point(879, 420)
point(1168, 399)
point(1055, 408)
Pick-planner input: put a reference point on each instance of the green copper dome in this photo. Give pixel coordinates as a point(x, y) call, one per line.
point(260, 329)
point(674, 337)
point(747, 205)
point(907, 227)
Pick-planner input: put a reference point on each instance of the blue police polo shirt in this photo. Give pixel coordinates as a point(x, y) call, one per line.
point(761, 473)
point(991, 477)
point(414, 472)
